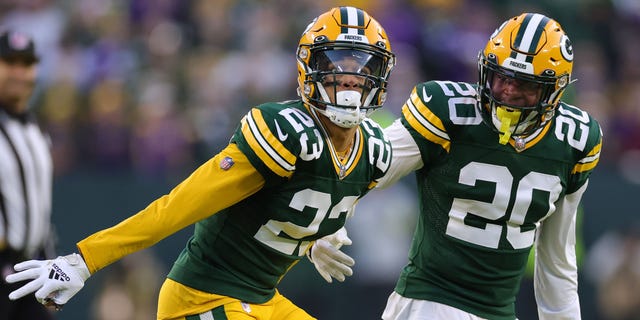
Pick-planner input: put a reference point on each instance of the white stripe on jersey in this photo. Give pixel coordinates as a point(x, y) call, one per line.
point(206, 316)
point(426, 122)
point(266, 146)
point(590, 159)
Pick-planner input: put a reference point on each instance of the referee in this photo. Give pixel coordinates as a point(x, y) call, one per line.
point(26, 174)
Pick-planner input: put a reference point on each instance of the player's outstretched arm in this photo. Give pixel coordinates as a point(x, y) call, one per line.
point(53, 281)
point(329, 261)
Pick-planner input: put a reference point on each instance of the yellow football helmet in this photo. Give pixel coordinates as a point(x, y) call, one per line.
point(344, 41)
point(532, 50)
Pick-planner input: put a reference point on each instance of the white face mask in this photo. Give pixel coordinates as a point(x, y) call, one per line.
point(346, 117)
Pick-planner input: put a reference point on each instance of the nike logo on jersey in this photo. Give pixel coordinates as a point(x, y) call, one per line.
point(425, 96)
point(57, 274)
point(281, 136)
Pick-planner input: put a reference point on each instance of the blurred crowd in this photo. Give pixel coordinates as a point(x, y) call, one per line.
point(157, 86)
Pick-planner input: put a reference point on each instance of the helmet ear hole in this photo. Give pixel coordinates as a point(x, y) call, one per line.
point(381, 44)
point(563, 81)
point(320, 39)
point(303, 53)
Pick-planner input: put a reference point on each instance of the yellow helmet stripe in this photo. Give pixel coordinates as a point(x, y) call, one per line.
point(268, 148)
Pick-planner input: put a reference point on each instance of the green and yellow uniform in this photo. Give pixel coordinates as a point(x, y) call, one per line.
point(485, 204)
point(259, 205)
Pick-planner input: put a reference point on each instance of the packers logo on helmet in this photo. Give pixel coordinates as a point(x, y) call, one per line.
point(566, 48)
point(344, 41)
point(534, 51)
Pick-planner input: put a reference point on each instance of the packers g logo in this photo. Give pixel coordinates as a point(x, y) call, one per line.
point(566, 48)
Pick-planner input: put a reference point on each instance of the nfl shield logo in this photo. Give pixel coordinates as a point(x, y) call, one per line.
point(226, 163)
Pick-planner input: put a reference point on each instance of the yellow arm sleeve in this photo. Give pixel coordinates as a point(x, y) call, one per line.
point(208, 190)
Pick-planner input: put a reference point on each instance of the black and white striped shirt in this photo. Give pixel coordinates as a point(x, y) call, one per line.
point(26, 177)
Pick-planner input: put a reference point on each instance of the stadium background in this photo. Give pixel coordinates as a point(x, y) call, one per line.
point(137, 93)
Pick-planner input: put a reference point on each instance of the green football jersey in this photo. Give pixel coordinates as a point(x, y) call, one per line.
point(482, 201)
point(245, 250)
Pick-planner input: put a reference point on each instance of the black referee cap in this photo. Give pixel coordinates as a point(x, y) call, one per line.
point(17, 46)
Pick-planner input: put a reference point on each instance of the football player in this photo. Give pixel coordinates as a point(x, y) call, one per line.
point(501, 166)
point(291, 174)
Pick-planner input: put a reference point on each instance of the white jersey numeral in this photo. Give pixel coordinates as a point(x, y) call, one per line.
point(490, 234)
point(285, 236)
point(467, 102)
point(299, 120)
point(570, 120)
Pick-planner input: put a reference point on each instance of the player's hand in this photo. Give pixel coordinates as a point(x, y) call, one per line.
point(329, 260)
point(339, 238)
point(54, 281)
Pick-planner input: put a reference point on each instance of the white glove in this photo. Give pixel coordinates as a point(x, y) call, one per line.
point(328, 259)
point(54, 281)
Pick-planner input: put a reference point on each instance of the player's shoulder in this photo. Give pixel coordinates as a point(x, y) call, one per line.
point(578, 128)
point(579, 115)
point(285, 118)
point(273, 108)
point(436, 99)
point(372, 129)
point(278, 110)
point(435, 108)
point(445, 89)
point(271, 134)
point(582, 137)
point(377, 143)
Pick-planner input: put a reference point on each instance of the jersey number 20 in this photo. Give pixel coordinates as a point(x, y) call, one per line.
point(490, 235)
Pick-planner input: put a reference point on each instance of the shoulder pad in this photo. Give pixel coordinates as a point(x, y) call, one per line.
point(434, 108)
point(582, 133)
point(280, 133)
